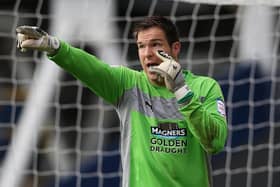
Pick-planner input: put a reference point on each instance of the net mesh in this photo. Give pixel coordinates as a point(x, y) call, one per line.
point(78, 142)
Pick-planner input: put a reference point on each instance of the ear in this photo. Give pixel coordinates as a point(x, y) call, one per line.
point(175, 49)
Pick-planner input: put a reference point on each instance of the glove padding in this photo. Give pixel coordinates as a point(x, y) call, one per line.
point(31, 37)
point(171, 72)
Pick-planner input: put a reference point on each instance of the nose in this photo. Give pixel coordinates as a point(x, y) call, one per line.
point(148, 52)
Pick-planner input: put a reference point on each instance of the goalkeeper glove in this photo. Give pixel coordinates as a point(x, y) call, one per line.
point(30, 37)
point(171, 72)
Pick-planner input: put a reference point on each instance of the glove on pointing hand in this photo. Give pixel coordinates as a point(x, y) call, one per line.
point(30, 37)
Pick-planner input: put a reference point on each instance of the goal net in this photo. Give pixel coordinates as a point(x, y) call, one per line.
point(54, 132)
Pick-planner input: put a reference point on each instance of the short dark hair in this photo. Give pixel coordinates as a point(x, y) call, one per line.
point(163, 23)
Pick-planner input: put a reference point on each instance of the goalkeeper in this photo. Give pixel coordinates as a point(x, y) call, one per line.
point(171, 120)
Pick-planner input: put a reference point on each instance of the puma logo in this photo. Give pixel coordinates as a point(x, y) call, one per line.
point(149, 105)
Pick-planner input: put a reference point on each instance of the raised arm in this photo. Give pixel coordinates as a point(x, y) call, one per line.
point(205, 117)
point(95, 74)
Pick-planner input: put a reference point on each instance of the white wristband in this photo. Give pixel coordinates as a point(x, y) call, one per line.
point(182, 92)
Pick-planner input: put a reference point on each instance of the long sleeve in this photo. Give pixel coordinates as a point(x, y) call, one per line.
point(205, 115)
point(102, 79)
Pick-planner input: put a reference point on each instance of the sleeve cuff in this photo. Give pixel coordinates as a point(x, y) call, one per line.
point(183, 95)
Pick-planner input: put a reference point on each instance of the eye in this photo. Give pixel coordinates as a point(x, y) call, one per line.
point(157, 44)
point(140, 46)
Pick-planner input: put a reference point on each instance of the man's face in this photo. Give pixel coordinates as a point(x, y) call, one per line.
point(149, 41)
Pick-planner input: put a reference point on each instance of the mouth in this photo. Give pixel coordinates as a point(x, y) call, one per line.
point(151, 65)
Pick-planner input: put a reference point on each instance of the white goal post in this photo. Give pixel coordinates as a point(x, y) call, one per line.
point(54, 132)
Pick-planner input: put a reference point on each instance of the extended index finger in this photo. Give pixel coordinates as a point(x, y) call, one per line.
point(31, 31)
point(163, 55)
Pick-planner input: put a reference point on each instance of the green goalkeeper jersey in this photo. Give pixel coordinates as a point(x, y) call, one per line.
point(163, 144)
